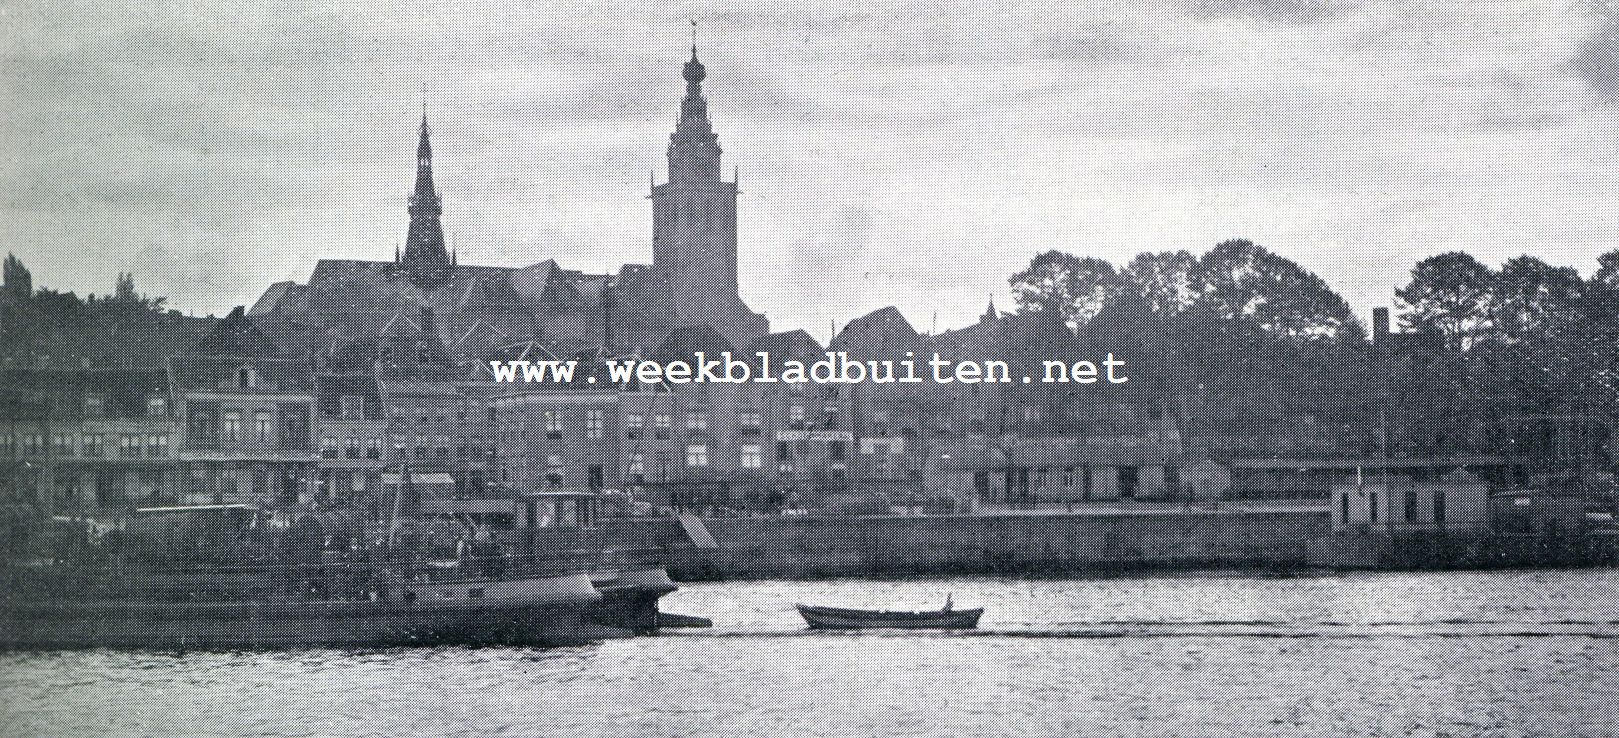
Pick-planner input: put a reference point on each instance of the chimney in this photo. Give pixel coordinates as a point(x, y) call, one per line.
point(1380, 326)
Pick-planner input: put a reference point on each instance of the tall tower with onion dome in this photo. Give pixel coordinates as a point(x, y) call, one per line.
point(694, 216)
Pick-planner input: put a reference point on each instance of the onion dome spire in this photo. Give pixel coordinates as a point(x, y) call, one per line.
point(694, 150)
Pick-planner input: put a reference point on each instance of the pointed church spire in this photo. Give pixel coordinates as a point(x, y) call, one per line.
point(991, 313)
point(425, 259)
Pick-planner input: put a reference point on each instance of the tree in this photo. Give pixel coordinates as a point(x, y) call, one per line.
point(124, 293)
point(1072, 286)
point(1450, 293)
point(124, 290)
point(1607, 269)
point(1533, 298)
point(1168, 281)
point(19, 283)
point(1244, 281)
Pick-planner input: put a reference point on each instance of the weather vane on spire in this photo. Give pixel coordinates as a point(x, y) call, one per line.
point(694, 38)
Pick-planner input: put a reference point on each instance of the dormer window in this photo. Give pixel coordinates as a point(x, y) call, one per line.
point(246, 378)
point(95, 406)
point(157, 407)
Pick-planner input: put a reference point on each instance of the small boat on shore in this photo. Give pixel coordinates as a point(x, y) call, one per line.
point(838, 618)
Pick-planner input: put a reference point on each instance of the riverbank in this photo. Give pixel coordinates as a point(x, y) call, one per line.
point(1095, 539)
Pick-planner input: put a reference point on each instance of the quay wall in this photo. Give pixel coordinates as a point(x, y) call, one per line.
point(827, 546)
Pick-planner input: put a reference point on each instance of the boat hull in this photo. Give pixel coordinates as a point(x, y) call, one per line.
point(550, 611)
point(836, 618)
point(630, 598)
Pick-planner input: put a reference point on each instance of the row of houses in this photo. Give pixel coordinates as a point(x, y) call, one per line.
point(238, 420)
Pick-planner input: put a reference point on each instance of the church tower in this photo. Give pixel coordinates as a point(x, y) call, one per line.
point(694, 217)
point(425, 260)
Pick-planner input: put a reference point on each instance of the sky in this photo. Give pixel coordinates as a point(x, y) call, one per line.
point(900, 154)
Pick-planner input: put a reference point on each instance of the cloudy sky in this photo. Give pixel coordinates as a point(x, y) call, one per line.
point(911, 154)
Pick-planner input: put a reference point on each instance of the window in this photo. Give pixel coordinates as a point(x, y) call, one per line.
point(633, 422)
point(1439, 506)
point(830, 417)
point(328, 447)
point(62, 444)
point(751, 457)
point(442, 448)
point(637, 468)
point(373, 448)
point(593, 424)
point(8, 444)
point(795, 417)
point(1031, 413)
point(353, 406)
point(660, 423)
point(232, 426)
point(784, 451)
point(202, 425)
point(246, 378)
point(1373, 497)
point(157, 406)
point(697, 420)
point(835, 451)
point(351, 448)
point(885, 465)
point(697, 455)
point(663, 467)
point(129, 446)
point(90, 445)
point(157, 446)
point(553, 470)
point(553, 424)
point(1068, 478)
point(1410, 505)
point(95, 406)
point(263, 422)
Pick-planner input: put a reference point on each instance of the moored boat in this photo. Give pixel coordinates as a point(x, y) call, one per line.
point(838, 618)
point(522, 610)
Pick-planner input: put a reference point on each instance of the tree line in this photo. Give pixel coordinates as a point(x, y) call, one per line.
point(1241, 341)
point(47, 328)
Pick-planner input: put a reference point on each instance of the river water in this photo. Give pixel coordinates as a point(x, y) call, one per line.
point(1204, 653)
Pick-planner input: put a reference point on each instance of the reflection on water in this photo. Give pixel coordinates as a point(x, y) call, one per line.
point(1460, 653)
